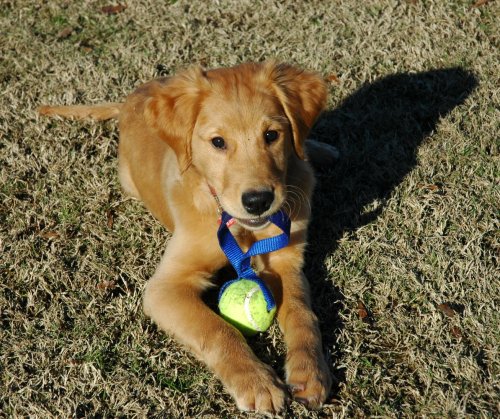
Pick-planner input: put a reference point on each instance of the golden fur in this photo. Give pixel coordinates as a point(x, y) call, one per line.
point(167, 159)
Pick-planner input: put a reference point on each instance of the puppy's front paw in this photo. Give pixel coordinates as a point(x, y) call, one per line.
point(257, 389)
point(308, 377)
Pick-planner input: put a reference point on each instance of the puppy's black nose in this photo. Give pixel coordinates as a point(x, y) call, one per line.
point(257, 202)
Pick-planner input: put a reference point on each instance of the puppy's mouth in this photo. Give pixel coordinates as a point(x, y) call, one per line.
point(253, 223)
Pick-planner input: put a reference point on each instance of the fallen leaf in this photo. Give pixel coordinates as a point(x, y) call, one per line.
point(480, 3)
point(430, 187)
point(65, 33)
point(446, 310)
point(113, 10)
point(435, 188)
point(362, 311)
point(106, 285)
point(86, 45)
point(49, 234)
point(332, 78)
point(455, 331)
point(111, 218)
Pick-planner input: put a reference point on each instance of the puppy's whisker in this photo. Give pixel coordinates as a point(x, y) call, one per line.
point(298, 192)
point(296, 197)
point(304, 197)
point(291, 200)
point(295, 204)
point(288, 208)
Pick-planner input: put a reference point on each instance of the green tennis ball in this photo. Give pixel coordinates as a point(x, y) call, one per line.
point(243, 305)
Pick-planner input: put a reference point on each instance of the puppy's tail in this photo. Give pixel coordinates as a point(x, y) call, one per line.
point(97, 112)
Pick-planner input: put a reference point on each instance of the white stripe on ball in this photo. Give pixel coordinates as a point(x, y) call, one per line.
point(248, 297)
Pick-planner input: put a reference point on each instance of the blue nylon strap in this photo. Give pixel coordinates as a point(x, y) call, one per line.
point(241, 262)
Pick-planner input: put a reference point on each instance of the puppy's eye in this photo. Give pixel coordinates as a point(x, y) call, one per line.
point(271, 136)
point(218, 142)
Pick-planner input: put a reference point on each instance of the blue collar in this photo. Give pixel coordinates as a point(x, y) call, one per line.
point(240, 261)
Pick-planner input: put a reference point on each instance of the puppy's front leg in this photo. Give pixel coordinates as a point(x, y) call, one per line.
point(173, 300)
point(307, 372)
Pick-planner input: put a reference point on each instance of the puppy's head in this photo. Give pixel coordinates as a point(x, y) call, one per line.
point(239, 127)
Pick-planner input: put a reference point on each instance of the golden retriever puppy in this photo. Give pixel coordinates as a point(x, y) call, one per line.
point(232, 139)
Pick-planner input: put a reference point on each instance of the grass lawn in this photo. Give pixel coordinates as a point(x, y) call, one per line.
point(404, 244)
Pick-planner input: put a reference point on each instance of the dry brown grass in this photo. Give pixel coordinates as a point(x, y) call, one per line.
point(403, 259)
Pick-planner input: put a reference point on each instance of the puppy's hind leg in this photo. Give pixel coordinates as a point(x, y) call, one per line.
point(126, 181)
point(321, 155)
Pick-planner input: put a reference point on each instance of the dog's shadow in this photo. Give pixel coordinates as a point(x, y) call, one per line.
point(377, 130)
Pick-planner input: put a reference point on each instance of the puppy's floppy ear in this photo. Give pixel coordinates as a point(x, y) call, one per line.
point(303, 96)
point(172, 108)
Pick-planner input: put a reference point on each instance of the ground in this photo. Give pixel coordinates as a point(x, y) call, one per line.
point(404, 244)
